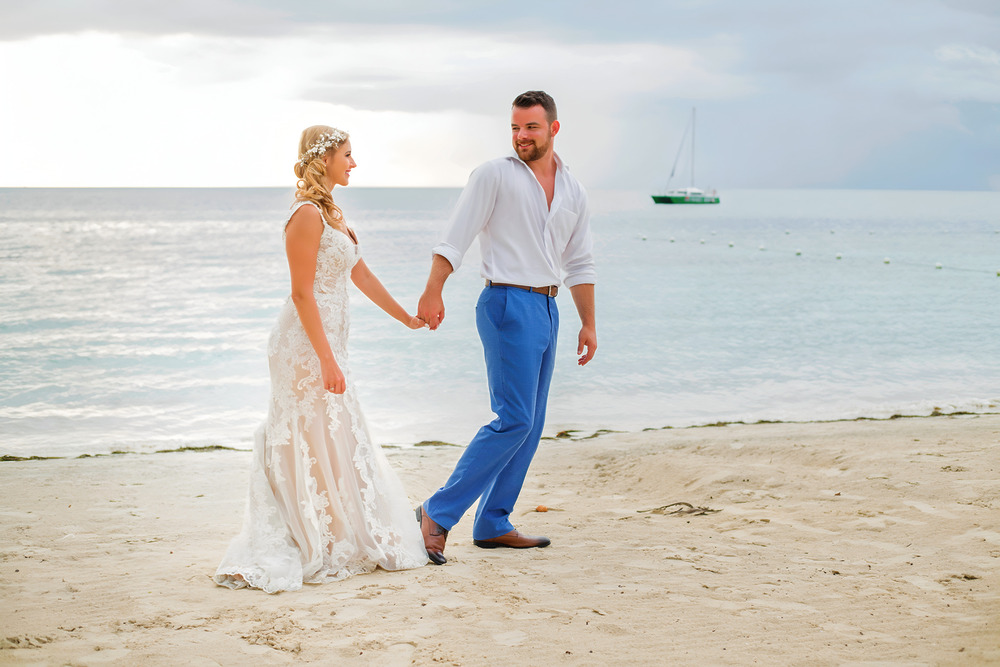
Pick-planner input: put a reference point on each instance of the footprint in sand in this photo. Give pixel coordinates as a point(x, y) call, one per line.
point(512, 638)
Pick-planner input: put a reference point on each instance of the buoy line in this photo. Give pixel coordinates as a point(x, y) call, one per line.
point(798, 252)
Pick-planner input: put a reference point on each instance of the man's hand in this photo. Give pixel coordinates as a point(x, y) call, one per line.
point(583, 297)
point(431, 308)
point(587, 340)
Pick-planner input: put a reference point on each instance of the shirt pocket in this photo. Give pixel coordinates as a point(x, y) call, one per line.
point(560, 228)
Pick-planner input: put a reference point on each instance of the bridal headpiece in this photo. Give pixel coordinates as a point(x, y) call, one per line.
point(324, 143)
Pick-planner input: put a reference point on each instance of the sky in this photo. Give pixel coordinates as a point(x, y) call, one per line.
point(892, 94)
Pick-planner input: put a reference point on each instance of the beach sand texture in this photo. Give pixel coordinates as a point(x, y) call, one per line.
point(842, 543)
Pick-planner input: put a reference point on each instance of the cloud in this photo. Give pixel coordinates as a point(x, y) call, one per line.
point(986, 7)
point(441, 94)
point(790, 93)
point(446, 69)
point(184, 110)
point(23, 20)
point(967, 72)
point(976, 55)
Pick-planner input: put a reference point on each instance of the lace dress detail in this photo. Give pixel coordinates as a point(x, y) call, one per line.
point(323, 502)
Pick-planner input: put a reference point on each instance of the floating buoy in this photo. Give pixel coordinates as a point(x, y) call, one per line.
point(671, 239)
point(703, 241)
point(730, 244)
point(938, 265)
point(798, 252)
point(713, 233)
point(763, 248)
point(787, 232)
point(885, 261)
point(839, 255)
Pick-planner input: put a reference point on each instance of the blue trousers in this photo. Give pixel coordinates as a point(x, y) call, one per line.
point(518, 330)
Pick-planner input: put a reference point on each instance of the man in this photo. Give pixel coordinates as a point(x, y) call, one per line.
point(533, 224)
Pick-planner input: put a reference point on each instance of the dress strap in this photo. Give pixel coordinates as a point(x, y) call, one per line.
point(349, 233)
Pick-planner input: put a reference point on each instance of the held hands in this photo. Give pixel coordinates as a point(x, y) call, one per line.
point(588, 340)
point(431, 308)
point(415, 322)
point(333, 378)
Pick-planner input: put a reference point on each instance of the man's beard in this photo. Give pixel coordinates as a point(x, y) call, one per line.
point(533, 152)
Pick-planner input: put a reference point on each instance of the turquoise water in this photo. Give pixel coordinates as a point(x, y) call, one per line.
point(136, 319)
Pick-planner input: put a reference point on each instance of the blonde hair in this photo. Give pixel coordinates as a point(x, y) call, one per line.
point(310, 170)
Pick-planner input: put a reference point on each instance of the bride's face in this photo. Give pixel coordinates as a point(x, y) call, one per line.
point(339, 164)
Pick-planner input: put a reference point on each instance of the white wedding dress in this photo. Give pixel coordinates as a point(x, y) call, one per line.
point(323, 502)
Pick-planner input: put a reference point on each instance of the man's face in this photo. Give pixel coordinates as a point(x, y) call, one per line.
point(531, 133)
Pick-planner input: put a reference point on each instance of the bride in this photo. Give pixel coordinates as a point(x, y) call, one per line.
point(323, 502)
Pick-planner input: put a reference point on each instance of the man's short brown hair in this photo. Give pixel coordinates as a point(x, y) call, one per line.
point(537, 98)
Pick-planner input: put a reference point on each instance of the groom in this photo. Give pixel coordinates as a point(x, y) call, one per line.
point(531, 217)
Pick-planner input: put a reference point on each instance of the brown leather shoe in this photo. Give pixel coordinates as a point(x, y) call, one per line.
point(434, 537)
point(513, 540)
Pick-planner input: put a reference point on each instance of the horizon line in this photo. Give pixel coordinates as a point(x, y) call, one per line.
point(459, 187)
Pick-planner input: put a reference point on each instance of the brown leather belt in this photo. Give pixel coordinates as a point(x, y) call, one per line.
point(551, 290)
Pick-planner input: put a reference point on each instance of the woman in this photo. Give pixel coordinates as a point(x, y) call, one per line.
point(323, 503)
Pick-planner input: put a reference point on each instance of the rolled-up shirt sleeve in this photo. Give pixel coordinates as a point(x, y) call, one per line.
point(473, 210)
point(578, 257)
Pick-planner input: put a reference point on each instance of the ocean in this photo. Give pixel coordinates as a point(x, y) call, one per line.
point(136, 319)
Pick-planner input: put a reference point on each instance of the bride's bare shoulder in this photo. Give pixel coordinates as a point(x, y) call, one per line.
point(305, 220)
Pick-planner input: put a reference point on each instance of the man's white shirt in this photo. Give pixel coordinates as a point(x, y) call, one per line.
point(522, 241)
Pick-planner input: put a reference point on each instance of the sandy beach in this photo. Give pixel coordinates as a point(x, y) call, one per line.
point(843, 543)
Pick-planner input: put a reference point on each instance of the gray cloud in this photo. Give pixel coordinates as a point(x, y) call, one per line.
point(791, 93)
point(986, 7)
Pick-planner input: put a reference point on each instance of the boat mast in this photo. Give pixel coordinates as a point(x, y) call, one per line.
point(677, 158)
point(692, 147)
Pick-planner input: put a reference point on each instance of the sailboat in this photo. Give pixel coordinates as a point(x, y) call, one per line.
point(688, 195)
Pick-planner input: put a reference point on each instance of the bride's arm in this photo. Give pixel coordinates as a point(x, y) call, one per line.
point(372, 287)
point(302, 236)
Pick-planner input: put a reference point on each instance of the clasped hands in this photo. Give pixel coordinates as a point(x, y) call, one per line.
point(430, 309)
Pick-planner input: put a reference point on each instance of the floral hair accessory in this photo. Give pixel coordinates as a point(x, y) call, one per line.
point(325, 142)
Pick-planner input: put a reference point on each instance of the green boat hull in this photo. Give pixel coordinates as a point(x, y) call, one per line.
point(685, 199)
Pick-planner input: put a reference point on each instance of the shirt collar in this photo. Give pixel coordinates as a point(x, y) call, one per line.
point(559, 163)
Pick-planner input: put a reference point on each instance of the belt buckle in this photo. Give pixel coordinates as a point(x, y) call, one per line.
point(550, 289)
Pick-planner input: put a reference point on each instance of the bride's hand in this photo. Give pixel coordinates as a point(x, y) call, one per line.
point(333, 378)
point(416, 323)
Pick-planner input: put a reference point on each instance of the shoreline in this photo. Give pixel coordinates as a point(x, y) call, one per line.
point(566, 434)
point(849, 542)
